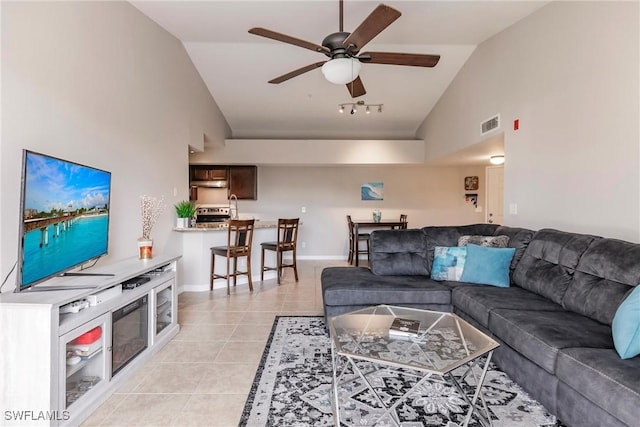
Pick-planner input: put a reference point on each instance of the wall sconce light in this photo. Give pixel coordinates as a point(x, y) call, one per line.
point(497, 160)
point(354, 107)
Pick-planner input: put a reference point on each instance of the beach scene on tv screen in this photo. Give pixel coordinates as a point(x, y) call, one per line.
point(65, 214)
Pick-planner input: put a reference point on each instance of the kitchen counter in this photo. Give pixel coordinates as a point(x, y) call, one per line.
point(223, 226)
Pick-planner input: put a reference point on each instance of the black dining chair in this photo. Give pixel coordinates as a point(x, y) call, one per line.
point(352, 242)
point(287, 242)
point(239, 240)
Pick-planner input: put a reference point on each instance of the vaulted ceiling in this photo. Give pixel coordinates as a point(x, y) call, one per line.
point(236, 66)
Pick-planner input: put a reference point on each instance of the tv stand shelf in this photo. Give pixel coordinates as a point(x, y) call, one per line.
point(43, 384)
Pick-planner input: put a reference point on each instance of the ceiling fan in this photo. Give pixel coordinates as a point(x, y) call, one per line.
point(343, 49)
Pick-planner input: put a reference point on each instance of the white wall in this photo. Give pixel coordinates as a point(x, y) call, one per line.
point(100, 84)
point(570, 73)
point(428, 195)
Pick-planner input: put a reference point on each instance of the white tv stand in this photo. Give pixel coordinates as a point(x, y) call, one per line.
point(42, 382)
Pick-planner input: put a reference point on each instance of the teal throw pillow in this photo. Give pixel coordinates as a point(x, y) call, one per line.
point(626, 326)
point(487, 266)
point(448, 262)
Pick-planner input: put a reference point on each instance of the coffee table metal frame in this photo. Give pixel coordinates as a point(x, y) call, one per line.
point(445, 342)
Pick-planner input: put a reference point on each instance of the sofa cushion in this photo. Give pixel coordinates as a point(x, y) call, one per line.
point(548, 263)
point(607, 271)
point(487, 266)
point(603, 378)
point(490, 241)
point(359, 286)
point(626, 326)
point(539, 335)
point(519, 239)
point(478, 301)
point(398, 253)
point(448, 262)
point(449, 235)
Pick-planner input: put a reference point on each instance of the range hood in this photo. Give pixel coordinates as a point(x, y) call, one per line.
point(221, 183)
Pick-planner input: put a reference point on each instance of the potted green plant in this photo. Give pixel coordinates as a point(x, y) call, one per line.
point(185, 211)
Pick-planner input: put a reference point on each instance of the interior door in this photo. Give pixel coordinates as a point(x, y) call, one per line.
point(495, 195)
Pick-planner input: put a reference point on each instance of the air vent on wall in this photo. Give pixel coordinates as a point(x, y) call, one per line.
point(490, 124)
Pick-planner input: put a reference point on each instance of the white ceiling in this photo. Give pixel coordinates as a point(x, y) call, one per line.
point(236, 65)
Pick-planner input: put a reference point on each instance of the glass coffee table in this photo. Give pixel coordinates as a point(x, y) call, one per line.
point(363, 353)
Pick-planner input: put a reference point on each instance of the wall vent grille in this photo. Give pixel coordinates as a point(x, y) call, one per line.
point(490, 124)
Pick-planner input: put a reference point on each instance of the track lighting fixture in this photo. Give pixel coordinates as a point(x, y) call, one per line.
point(354, 107)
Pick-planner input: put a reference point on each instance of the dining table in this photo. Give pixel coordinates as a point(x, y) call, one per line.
point(370, 223)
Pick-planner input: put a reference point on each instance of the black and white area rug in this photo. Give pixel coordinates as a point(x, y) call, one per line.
point(293, 387)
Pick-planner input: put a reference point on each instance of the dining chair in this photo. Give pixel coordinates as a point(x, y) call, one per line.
point(287, 242)
point(239, 240)
point(352, 242)
point(403, 220)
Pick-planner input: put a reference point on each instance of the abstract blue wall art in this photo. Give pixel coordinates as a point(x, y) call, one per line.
point(372, 191)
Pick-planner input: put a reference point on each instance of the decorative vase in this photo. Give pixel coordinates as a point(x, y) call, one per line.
point(183, 222)
point(145, 248)
point(377, 215)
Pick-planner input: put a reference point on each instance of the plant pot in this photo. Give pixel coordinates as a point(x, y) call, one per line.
point(183, 222)
point(145, 248)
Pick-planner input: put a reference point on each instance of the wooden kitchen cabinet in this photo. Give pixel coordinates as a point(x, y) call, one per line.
point(208, 173)
point(243, 182)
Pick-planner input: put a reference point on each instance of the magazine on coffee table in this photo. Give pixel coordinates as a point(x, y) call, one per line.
point(404, 328)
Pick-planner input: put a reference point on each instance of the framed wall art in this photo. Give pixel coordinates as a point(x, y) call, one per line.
point(470, 183)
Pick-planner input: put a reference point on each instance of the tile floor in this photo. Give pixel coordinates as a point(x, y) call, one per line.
point(203, 376)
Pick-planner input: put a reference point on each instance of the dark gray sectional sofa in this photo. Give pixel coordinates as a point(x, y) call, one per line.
point(553, 322)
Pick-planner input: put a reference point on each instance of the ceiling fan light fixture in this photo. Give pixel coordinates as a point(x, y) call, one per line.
point(341, 71)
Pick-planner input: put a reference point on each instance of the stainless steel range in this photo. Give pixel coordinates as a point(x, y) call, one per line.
point(212, 216)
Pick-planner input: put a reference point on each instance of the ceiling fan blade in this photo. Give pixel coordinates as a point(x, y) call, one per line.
point(356, 88)
point(378, 20)
point(295, 73)
point(288, 39)
point(392, 58)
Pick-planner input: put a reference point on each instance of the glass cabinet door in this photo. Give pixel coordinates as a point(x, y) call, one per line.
point(164, 307)
point(84, 360)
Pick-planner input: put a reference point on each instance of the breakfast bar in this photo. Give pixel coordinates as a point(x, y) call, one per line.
point(196, 244)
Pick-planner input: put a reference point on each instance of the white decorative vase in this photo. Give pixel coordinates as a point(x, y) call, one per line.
point(183, 222)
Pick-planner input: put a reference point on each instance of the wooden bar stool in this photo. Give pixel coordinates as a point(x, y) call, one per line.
point(287, 242)
point(239, 239)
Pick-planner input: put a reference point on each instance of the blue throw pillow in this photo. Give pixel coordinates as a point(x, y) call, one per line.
point(448, 262)
point(487, 266)
point(626, 326)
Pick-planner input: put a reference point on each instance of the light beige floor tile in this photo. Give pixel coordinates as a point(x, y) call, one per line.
point(171, 378)
point(137, 378)
point(104, 411)
point(241, 352)
point(213, 410)
point(259, 318)
point(221, 317)
point(186, 317)
point(251, 333)
point(226, 378)
point(204, 332)
point(190, 351)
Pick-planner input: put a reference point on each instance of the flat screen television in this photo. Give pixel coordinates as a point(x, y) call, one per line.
point(64, 217)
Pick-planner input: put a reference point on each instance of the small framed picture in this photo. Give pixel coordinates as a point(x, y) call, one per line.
point(470, 182)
